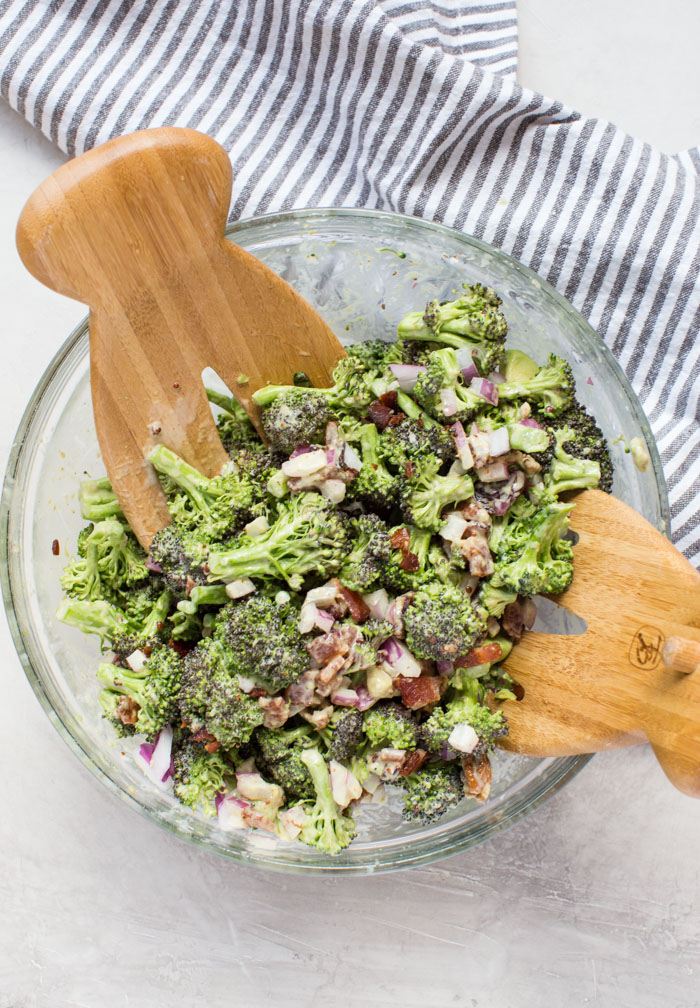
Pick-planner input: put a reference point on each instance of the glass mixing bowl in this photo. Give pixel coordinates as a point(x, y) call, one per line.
point(362, 270)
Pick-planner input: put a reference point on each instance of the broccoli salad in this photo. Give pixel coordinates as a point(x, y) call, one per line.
point(329, 616)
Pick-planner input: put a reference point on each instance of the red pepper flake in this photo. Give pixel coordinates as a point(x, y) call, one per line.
point(55, 547)
point(480, 656)
point(409, 562)
point(400, 539)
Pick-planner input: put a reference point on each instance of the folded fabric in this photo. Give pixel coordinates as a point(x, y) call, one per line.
point(409, 106)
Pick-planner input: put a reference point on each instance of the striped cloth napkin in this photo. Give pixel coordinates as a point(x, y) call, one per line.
point(407, 105)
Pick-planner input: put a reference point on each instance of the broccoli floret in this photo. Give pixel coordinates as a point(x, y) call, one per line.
point(366, 648)
point(326, 827)
point(552, 389)
point(211, 699)
point(390, 724)
point(375, 355)
point(187, 621)
point(213, 507)
point(280, 752)
point(413, 441)
point(466, 707)
point(441, 622)
point(178, 557)
point(410, 567)
point(575, 434)
point(114, 625)
point(234, 425)
point(293, 416)
point(368, 555)
point(443, 376)
point(532, 556)
point(374, 484)
point(425, 495)
point(308, 535)
point(568, 472)
point(198, 776)
point(431, 792)
point(473, 321)
point(344, 735)
point(255, 465)
point(448, 567)
point(146, 608)
point(493, 600)
point(261, 641)
point(98, 501)
point(110, 563)
point(154, 689)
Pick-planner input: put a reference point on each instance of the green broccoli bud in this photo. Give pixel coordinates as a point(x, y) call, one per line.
point(441, 622)
point(466, 708)
point(426, 494)
point(552, 388)
point(532, 556)
point(154, 688)
point(368, 554)
point(260, 640)
point(390, 725)
point(431, 792)
point(111, 563)
point(199, 776)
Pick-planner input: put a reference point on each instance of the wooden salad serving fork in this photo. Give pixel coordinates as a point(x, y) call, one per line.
point(135, 229)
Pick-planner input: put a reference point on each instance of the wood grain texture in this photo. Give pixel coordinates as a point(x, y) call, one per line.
point(135, 229)
point(609, 686)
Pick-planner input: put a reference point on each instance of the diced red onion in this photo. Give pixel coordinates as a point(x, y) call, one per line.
point(406, 375)
point(218, 798)
point(330, 456)
point(462, 445)
point(157, 758)
point(497, 378)
point(345, 698)
point(351, 460)
point(499, 442)
point(486, 389)
point(333, 490)
point(300, 450)
point(529, 422)
point(448, 402)
point(230, 813)
point(344, 785)
point(305, 463)
point(463, 738)
point(153, 567)
point(364, 700)
point(136, 660)
point(470, 372)
point(454, 528)
point(445, 668)
point(378, 603)
point(447, 753)
point(323, 620)
point(400, 659)
point(474, 429)
point(307, 617)
point(465, 360)
point(493, 473)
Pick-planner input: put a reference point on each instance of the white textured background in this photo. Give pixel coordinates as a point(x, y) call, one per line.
point(593, 900)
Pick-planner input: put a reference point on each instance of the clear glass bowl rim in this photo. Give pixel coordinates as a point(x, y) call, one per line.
point(412, 853)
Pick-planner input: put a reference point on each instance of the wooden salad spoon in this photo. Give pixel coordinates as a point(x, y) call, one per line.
point(135, 229)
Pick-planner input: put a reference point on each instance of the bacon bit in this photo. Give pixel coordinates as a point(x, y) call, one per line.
point(202, 736)
point(55, 547)
point(414, 761)
point(400, 539)
point(359, 610)
point(389, 399)
point(329, 672)
point(128, 710)
point(301, 693)
point(409, 562)
point(256, 692)
point(211, 747)
point(396, 419)
point(379, 414)
point(477, 777)
point(416, 693)
point(181, 648)
point(409, 469)
point(480, 656)
point(275, 710)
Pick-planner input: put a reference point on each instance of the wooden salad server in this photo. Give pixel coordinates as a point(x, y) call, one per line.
point(634, 674)
point(135, 229)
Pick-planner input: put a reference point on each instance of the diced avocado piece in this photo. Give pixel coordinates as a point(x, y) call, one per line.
point(519, 367)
